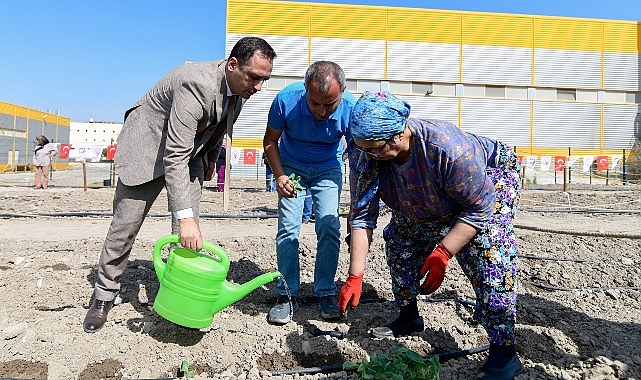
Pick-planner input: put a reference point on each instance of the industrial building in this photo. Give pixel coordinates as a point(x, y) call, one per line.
point(19, 127)
point(546, 85)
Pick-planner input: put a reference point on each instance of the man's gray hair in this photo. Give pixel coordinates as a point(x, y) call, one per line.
point(322, 73)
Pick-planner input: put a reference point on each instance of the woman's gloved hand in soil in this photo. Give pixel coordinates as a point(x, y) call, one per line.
point(435, 266)
point(352, 289)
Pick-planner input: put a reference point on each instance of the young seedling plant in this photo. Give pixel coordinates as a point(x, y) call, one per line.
point(185, 371)
point(401, 364)
point(294, 181)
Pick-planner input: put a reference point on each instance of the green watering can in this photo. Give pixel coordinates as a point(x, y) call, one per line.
point(193, 285)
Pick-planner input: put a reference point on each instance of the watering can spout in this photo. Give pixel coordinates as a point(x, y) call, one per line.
point(230, 293)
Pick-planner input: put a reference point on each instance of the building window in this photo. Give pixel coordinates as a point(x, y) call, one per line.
point(368, 85)
point(422, 88)
point(495, 91)
point(352, 85)
point(397, 87)
point(633, 97)
point(474, 90)
point(566, 94)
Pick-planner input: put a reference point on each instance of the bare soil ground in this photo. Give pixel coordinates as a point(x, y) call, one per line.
point(579, 298)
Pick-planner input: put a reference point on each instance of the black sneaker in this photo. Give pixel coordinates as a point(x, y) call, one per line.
point(329, 307)
point(281, 313)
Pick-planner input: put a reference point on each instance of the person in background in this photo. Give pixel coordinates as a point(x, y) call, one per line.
point(270, 180)
point(220, 168)
point(164, 144)
point(308, 207)
point(453, 195)
point(42, 155)
point(309, 118)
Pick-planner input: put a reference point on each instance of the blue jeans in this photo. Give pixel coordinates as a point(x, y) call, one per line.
point(325, 184)
point(270, 181)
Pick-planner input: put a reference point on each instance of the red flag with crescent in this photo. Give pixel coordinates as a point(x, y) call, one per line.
point(559, 163)
point(250, 157)
point(64, 150)
point(602, 163)
point(111, 152)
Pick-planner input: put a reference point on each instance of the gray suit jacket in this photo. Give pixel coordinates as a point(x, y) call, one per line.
point(169, 129)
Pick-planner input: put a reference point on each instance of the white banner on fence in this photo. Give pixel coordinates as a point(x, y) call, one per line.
point(571, 161)
point(531, 161)
point(546, 163)
point(88, 153)
point(587, 162)
point(235, 156)
point(615, 161)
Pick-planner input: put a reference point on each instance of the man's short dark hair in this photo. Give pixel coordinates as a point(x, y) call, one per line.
point(245, 48)
point(322, 73)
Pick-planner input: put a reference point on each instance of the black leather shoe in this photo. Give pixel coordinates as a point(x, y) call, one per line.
point(506, 372)
point(399, 327)
point(96, 315)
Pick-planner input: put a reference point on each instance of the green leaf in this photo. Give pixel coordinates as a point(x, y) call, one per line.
point(350, 366)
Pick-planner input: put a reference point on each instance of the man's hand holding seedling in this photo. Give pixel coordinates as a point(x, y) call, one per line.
point(289, 186)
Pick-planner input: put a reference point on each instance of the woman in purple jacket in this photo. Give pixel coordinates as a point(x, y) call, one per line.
point(452, 194)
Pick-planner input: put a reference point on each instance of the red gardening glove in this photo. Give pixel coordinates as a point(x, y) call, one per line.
point(434, 266)
point(352, 289)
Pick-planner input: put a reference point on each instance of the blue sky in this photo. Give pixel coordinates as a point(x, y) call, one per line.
point(94, 59)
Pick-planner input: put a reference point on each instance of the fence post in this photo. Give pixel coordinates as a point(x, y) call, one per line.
point(84, 175)
point(623, 167)
point(570, 169)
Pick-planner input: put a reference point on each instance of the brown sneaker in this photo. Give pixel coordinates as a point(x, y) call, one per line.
point(96, 315)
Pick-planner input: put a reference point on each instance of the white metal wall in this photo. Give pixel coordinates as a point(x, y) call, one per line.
point(620, 123)
point(502, 119)
point(622, 71)
point(433, 108)
point(423, 62)
point(360, 59)
point(567, 68)
point(559, 125)
point(497, 65)
point(291, 52)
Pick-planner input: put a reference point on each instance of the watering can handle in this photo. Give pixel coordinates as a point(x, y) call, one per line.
point(159, 264)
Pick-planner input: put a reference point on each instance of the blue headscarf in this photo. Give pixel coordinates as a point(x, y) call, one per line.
point(378, 116)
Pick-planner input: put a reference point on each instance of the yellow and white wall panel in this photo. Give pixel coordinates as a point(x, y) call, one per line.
point(423, 45)
point(19, 127)
point(569, 82)
point(621, 55)
point(497, 48)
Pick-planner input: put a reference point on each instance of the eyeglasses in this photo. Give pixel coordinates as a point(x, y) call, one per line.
point(376, 154)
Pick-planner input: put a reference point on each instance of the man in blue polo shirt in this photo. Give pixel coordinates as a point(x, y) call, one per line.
point(310, 119)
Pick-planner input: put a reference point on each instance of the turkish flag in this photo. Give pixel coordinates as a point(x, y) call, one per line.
point(602, 163)
point(559, 163)
point(250, 157)
point(111, 152)
point(520, 159)
point(64, 150)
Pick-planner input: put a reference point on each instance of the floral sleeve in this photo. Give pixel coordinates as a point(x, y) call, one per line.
point(363, 190)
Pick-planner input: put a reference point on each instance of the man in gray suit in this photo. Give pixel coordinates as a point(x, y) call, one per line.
point(164, 144)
